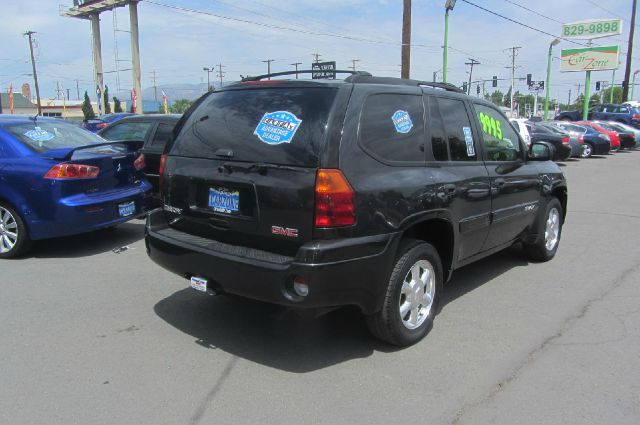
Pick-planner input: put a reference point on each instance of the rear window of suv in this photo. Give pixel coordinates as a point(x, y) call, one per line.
point(271, 125)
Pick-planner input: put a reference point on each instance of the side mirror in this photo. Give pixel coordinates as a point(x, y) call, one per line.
point(540, 152)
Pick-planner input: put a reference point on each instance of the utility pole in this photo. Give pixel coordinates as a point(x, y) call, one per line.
point(569, 100)
point(220, 73)
point(514, 53)
point(155, 88)
point(35, 74)
point(406, 39)
point(77, 89)
point(627, 70)
point(472, 63)
point(613, 79)
point(68, 97)
point(58, 90)
point(353, 64)
point(316, 56)
point(268, 62)
point(296, 65)
point(208, 71)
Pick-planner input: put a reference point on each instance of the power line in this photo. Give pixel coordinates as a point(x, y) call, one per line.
point(280, 27)
point(609, 11)
point(533, 11)
point(521, 24)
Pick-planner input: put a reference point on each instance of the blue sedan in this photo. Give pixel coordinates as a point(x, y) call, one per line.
point(57, 179)
point(102, 121)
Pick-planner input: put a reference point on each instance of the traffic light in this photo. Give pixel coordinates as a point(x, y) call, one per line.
point(495, 81)
point(478, 89)
point(541, 85)
point(528, 79)
point(464, 87)
point(597, 85)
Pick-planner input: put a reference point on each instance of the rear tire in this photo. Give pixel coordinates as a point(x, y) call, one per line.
point(549, 232)
point(14, 238)
point(412, 296)
point(587, 151)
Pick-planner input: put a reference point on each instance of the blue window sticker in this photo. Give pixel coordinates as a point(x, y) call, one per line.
point(402, 121)
point(468, 138)
point(277, 127)
point(39, 135)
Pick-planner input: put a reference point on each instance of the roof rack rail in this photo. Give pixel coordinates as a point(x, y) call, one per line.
point(444, 86)
point(306, 71)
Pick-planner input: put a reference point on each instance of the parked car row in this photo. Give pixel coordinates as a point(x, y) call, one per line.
point(579, 139)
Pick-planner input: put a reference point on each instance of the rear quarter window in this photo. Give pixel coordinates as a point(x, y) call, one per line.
point(392, 127)
point(274, 125)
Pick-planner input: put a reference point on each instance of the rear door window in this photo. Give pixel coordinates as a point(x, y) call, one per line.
point(128, 131)
point(458, 129)
point(271, 125)
point(392, 127)
point(161, 136)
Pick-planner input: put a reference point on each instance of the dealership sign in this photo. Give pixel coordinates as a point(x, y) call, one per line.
point(590, 59)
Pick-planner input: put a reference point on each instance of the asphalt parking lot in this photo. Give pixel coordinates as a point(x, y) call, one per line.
point(89, 336)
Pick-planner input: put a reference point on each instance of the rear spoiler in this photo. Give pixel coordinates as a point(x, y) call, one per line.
point(65, 154)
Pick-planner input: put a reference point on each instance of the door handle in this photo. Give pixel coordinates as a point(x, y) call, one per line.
point(499, 182)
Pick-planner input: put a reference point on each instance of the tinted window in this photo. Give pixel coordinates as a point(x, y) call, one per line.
point(274, 125)
point(392, 127)
point(41, 136)
point(127, 131)
point(623, 110)
point(500, 140)
point(438, 138)
point(162, 135)
point(458, 129)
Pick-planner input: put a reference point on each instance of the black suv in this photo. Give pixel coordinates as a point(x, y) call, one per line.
point(366, 191)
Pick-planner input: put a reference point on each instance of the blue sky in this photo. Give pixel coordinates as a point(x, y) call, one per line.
point(178, 44)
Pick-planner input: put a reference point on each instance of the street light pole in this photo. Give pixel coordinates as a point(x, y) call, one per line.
point(208, 71)
point(549, 59)
point(613, 78)
point(449, 5)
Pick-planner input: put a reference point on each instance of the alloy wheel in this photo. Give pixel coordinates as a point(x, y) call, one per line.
point(417, 294)
point(8, 231)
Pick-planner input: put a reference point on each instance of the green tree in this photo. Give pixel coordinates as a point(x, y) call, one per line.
point(180, 106)
point(87, 109)
point(606, 95)
point(107, 105)
point(117, 106)
point(495, 97)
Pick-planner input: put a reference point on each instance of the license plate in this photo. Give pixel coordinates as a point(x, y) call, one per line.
point(199, 284)
point(224, 201)
point(127, 209)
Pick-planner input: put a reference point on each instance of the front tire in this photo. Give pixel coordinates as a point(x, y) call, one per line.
point(412, 296)
point(549, 232)
point(14, 238)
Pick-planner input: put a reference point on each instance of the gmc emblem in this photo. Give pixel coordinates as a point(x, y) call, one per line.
point(281, 231)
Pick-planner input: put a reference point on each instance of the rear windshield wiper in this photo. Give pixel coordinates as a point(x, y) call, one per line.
point(260, 167)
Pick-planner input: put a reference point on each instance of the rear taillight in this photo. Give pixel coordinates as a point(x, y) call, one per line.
point(163, 161)
point(636, 117)
point(139, 163)
point(581, 139)
point(72, 171)
point(335, 200)
point(101, 125)
point(565, 140)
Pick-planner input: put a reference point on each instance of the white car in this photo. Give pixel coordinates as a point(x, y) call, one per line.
point(632, 103)
point(518, 123)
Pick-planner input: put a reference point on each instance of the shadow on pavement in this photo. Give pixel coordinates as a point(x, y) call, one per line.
point(277, 337)
point(88, 244)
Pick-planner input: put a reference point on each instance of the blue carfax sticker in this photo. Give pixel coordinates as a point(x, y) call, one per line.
point(468, 138)
point(39, 135)
point(277, 127)
point(402, 121)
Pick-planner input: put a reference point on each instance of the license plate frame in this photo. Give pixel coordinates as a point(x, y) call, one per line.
point(127, 209)
point(199, 284)
point(224, 200)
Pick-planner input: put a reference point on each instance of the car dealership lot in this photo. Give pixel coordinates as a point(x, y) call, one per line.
point(91, 336)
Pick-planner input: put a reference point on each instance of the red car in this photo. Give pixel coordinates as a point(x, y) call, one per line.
point(613, 135)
